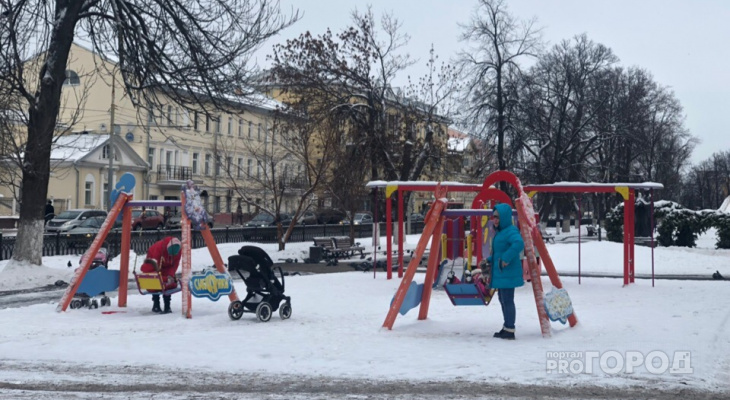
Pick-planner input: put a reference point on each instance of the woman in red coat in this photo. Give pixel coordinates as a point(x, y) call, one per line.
point(163, 257)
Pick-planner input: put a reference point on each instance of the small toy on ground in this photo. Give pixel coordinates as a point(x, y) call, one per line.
point(264, 291)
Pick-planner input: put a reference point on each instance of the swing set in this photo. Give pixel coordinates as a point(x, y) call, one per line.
point(147, 283)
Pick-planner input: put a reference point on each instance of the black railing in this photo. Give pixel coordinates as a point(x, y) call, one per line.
point(173, 173)
point(60, 244)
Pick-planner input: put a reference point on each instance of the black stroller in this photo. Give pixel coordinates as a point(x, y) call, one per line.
point(264, 292)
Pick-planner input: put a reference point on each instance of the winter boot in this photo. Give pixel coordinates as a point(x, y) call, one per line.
point(167, 305)
point(156, 303)
point(505, 333)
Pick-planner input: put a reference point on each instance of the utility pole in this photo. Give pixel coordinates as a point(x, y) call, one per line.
point(110, 152)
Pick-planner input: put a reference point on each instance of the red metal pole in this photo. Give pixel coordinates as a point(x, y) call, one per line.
point(124, 260)
point(632, 258)
point(400, 233)
point(651, 216)
point(626, 241)
point(580, 214)
point(431, 271)
point(389, 231)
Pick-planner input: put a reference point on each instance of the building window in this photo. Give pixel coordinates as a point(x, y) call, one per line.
point(195, 120)
point(240, 127)
point(217, 204)
point(259, 132)
point(151, 117)
point(207, 164)
point(72, 78)
point(89, 190)
point(218, 124)
point(217, 166)
point(248, 169)
point(230, 126)
point(196, 160)
point(207, 123)
point(250, 129)
point(240, 167)
point(169, 115)
point(151, 156)
point(229, 164)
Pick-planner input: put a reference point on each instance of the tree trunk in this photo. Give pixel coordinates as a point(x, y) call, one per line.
point(42, 114)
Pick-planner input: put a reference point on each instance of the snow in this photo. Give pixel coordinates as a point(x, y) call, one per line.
point(335, 329)
point(725, 206)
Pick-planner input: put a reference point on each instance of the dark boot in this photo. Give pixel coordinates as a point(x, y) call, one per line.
point(508, 334)
point(156, 303)
point(167, 309)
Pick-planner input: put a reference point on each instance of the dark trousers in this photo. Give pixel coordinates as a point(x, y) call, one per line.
point(507, 301)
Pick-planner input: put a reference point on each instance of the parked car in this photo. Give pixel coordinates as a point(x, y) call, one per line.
point(147, 219)
point(415, 217)
point(173, 222)
point(360, 219)
point(330, 216)
point(263, 219)
point(70, 219)
point(307, 218)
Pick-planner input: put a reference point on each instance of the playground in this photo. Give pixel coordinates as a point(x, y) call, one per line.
point(335, 333)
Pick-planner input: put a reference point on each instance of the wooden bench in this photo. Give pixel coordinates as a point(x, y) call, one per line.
point(345, 248)
point(547, 237)
point(327, 245)
point(592, 230)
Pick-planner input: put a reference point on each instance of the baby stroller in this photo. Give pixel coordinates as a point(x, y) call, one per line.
point(264, 291)
point(82, 299)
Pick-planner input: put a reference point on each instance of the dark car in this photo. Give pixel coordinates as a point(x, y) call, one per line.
point(415, 217)
point(173, 221)
point(147, 219)
point(361, 218)
point(263, 219)
point(330, 216)
point(307, 218)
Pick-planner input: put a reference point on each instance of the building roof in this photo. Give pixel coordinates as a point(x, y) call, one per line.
point(76, 146)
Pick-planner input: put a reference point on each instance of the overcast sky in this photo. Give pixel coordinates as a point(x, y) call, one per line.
point(685, 44)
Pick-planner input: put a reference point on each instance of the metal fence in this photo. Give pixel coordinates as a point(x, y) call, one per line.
point(70, 244)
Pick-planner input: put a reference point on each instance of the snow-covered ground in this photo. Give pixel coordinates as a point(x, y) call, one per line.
point(335, 330)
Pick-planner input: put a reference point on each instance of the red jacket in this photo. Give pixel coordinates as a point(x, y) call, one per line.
point(158, 252)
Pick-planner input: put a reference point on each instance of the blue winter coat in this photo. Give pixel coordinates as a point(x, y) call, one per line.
point(506, 246)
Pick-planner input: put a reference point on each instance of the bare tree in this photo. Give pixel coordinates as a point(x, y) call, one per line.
point(289, 164)
point(490, 65)
point(192, 51)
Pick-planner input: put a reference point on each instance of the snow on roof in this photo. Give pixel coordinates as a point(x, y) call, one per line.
point(458, 144)
point(635, 185)
point(418, 183)
point(74, 147)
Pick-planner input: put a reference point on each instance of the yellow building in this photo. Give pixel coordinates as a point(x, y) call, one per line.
point(163, 146)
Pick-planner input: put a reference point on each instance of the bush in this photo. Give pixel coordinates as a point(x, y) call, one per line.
point(675, 225)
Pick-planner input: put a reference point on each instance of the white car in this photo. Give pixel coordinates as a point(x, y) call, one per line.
point(69, 219)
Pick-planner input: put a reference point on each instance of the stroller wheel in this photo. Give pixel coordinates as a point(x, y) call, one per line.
point(235, 310)
point(75, 304)
point(93, 304)
point(285, 311)
point(263, 311)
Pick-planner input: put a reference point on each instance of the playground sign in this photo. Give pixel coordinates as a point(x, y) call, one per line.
point(211, 284)
point(558, 305)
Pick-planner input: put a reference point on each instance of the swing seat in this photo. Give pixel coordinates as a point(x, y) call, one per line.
point(154, 283)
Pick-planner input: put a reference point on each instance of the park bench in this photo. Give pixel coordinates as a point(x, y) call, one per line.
point(593, 230)
point(547, 237)
point(345, 248)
